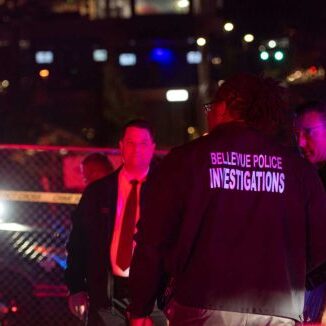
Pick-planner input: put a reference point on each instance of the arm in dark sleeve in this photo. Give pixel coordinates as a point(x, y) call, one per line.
point(316, 221)
point(76, 260)
point(157, 230)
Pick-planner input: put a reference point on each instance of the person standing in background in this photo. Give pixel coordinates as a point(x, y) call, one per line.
point(95, 166)
point(310, 130)
point(101, 242)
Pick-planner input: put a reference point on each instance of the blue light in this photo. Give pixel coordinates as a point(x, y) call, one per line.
point(100, 55)
point(264, 55)
point(43, 57)
point(279, 55)
point(62, 262)
point(161, 55)
point(194, 57)
point(127, 59)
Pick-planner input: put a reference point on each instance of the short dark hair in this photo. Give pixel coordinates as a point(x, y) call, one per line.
point(98, 158)
point(138, 123)
point(312, 106)
point(261, 102)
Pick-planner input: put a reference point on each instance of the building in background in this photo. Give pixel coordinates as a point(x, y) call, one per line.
point(74, 70)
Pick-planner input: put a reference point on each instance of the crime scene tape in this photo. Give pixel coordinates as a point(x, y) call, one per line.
point(40, 197)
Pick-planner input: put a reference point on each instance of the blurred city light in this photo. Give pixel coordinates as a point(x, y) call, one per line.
point(201, 41)
point(191, 130)
point(312, 70)
point(127, 59)
point(24, 44)
point(295, 75)
point(44, 57)
point(228, 27)
point(100, 55)
point(264, 55)
point(194, 57)
point(301, 76)
point(15, 227)
point(216, 61)
point(183, 3)
point(5, 83)
point(272, 44)
point(14, 309)
point(63, 151)
point(44, 73)
point(161, 55)
point(177, 95)
point(248, 38)
point(278, 55)
point(2, 211)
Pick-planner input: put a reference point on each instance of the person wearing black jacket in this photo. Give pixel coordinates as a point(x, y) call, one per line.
point(310, 128)
point(95, 166)
point(239, 218)
point(98, 260)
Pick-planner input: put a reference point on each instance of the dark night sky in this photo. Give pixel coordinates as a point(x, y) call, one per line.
point(269, 17)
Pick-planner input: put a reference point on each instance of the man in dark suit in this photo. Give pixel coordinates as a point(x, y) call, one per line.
point(100, 246)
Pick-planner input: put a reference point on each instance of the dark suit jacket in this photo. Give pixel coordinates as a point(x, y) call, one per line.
point(88, 263)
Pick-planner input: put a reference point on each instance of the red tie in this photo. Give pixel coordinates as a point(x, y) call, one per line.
point(125, 246)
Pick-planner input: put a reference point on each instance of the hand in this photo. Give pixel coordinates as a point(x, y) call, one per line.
point(78, 304)
point(323, 318)
point(145, 321)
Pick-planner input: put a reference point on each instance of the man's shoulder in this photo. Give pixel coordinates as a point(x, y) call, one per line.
point(191, 145)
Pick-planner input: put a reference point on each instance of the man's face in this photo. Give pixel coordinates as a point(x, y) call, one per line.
point(137, 148)
point(310, 131)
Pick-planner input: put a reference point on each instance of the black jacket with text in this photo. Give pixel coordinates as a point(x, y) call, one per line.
point(237, 219)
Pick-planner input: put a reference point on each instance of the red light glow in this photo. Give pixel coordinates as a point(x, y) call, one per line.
point(312, 70)
point(14, 309)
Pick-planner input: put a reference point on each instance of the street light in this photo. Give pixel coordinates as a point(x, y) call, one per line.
point(278, 55)
point(44, 73)
point(264, 55)
point(248, 38)
point(216, 61)
point(183, 3)
point(177, 95)
point(272, 44)
point(201, 41)
point(228, 27)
